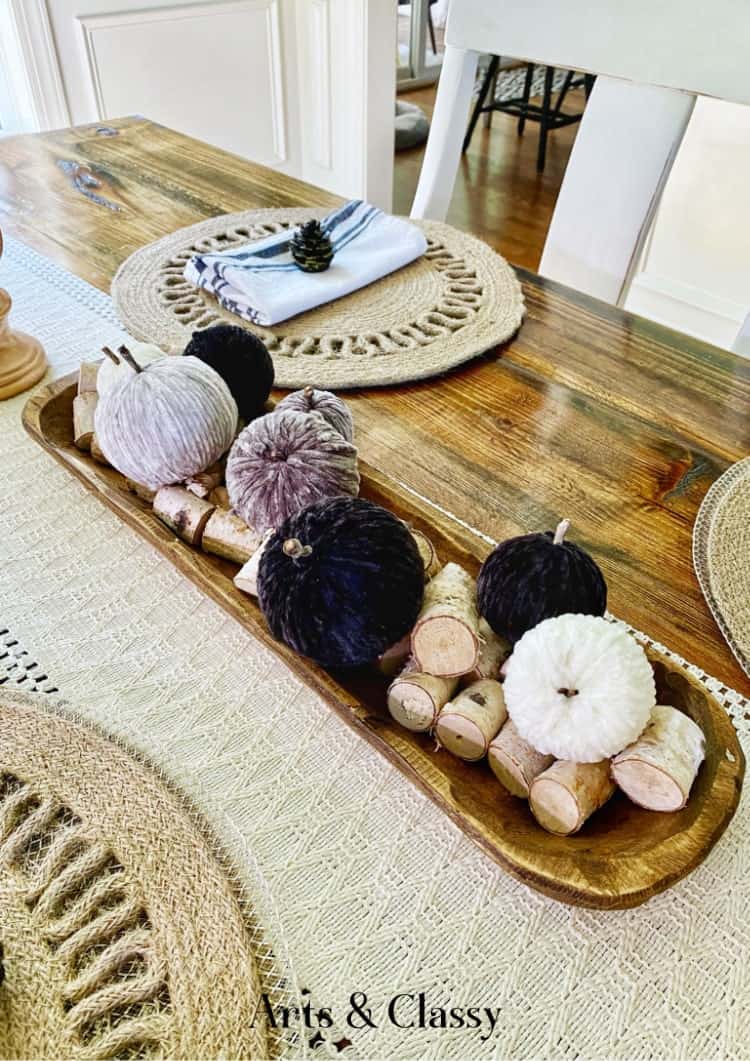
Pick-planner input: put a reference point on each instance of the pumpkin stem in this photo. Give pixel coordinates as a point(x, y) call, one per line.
point(128, 358)
point(308, 392)
point(562, 529)
point(294, 548)
point(111, 354)
point(568, 692)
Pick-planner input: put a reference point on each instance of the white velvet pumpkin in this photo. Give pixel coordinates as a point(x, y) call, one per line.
point(579, 687)
point(167, 422)
point(111, 375)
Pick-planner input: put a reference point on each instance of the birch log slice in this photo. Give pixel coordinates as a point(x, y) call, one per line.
point(415, 699)
point(393, 660)
point(428, 552)
point(493, 652)
point(84, 407)
point(246, 578)
point(514, 762)
point(566, 794)
point(87, 377)
point(229, 536)
point(658, 770)
point(183, 512)
point(467, 725)
point(445, 639)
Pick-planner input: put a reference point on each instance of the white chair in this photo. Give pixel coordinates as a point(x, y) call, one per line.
point(652, 60)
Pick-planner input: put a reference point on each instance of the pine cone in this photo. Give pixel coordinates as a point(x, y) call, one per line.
point(311, 249)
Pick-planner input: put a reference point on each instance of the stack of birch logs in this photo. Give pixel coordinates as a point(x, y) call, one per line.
point(446, 679)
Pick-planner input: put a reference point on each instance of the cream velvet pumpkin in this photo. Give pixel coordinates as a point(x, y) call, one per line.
point(579, 687)
point(168, 421)
point(111, 375)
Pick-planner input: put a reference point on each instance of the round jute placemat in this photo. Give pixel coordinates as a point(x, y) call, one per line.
point(721, 556)
point(123, 933)
point(456, 302)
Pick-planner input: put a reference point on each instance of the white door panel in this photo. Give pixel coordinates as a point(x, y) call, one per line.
point(305, 86)
point(213, 71)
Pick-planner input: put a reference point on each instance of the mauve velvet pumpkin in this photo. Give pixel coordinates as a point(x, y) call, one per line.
point(283, 462)
point(341, 581)
point(329, 405)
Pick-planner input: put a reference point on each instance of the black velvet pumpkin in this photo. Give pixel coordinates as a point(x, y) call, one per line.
point(242, 361)
point(538, 576)
point(341, 581)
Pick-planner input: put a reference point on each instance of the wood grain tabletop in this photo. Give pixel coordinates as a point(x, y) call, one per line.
point(590, 412)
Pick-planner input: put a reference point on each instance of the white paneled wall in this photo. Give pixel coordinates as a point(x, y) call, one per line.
point(304, 86)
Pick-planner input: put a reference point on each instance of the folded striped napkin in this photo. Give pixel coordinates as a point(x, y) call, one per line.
point(261, 282)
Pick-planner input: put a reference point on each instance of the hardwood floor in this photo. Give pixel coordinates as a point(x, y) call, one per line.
point(499, 195)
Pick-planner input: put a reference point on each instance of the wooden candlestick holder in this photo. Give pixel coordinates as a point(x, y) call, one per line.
point(22, 358)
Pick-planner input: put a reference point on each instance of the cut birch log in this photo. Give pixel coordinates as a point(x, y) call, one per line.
point(493, 651)
point(393, 659)
point(183, 512)
point(97, 452)
point(467, 724)
point(658, 770)
point(566, 794)
point(415, 699)
point(229, 536)
point(514, 762)
point(445, 640)
point(205, 482)
point(428, 553)
point(87, 374)
point(84, 407)
point(140, 490)
point(246, 578)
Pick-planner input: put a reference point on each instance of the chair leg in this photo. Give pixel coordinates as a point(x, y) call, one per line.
point(431, 27)
point(562, 94)
point(525, 98)
point(588, 84)
point(541, 157)
point(443, 151)
point(488, 78)
point(493, 93)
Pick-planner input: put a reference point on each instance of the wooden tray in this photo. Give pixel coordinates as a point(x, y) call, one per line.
point(621, 857)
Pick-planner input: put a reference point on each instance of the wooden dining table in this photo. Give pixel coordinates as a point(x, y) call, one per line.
point(590, 413)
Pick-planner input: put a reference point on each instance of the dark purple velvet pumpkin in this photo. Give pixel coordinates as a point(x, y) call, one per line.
point(341, 581)
point(538, 576)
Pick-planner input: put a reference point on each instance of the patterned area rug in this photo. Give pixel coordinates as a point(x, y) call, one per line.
point(377, 891)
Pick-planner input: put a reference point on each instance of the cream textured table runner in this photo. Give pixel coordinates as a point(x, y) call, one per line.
point(377, 891)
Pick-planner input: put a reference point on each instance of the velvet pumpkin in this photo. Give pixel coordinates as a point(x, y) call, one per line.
point(341, 581)
point(169, 421)
point(329, 405)
point(284, 461)
point(242, 361)
point(534, 577)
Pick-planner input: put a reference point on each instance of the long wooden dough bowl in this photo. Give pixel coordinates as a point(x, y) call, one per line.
point(622, 856)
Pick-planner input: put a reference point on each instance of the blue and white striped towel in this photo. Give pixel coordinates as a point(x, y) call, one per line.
point(261, 283)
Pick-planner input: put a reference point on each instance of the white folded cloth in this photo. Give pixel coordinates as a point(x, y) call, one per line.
point(261, 282)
